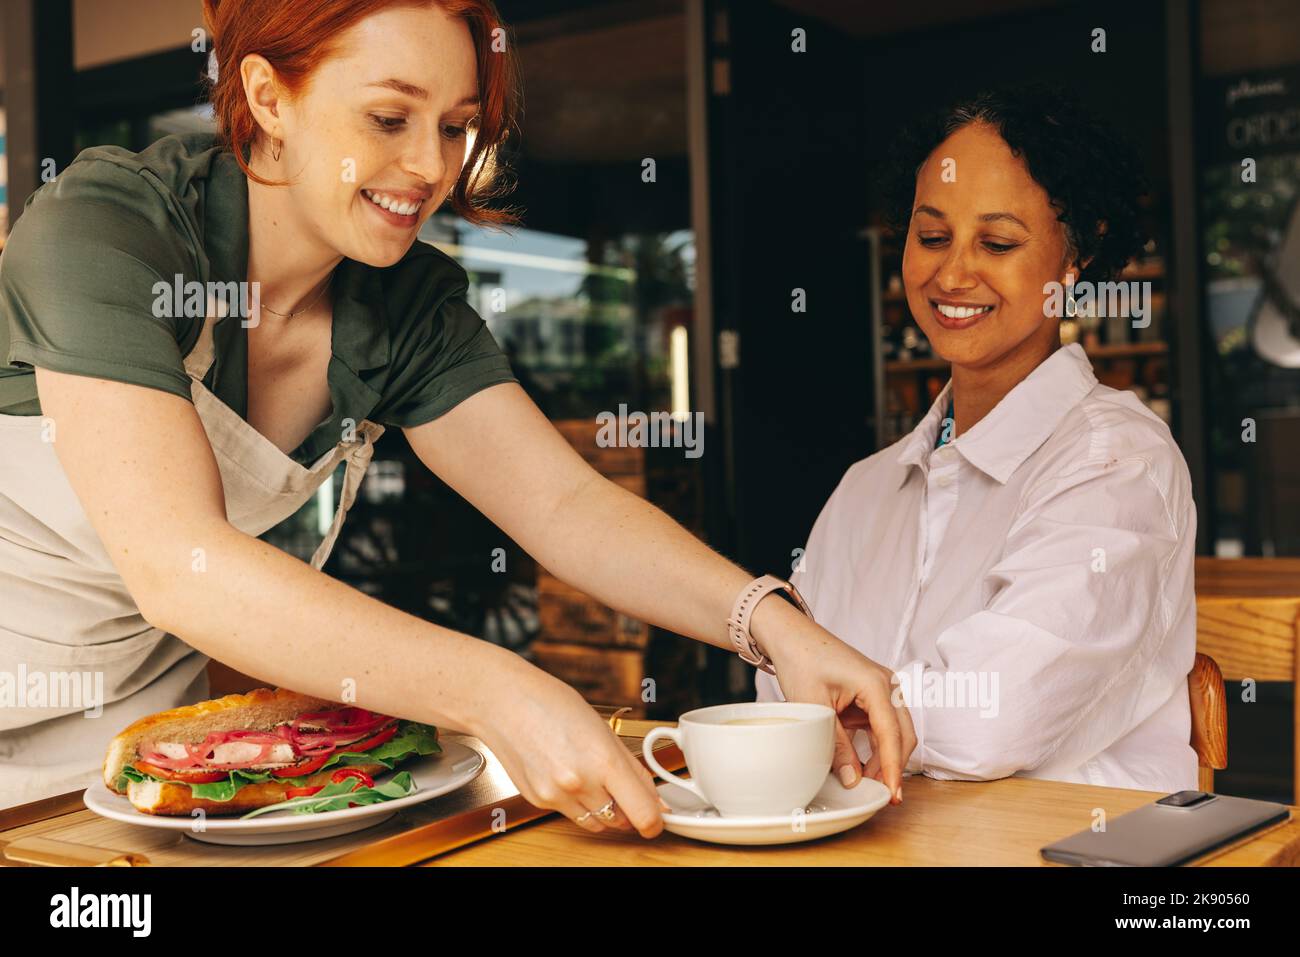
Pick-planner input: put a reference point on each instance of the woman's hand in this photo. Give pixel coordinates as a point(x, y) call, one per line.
point(561, 755)
point(873, 769)
point(813, 665)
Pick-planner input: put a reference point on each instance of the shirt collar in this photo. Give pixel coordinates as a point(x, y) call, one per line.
point(917, 446)
point(1027, 415)
point(225, 219)
point(361, 339)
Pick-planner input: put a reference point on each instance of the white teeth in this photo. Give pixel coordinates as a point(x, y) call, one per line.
point(960, 312)
point(392, 203)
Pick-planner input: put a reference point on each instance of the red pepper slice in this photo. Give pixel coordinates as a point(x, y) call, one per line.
point(363, 779)
point(302, 792)
point(298, 769)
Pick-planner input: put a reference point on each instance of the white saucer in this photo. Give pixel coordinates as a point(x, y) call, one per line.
point(834, 809)
point(434, 774)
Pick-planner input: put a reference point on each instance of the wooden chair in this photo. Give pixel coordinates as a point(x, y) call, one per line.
point(1209, 719)
point(1248, 622)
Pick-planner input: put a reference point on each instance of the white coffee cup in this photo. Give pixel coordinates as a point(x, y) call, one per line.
point(773, 762)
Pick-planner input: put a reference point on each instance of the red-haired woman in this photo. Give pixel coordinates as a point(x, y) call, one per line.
point(146, 439)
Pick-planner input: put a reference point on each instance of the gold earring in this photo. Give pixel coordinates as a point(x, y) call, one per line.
point(275, 150)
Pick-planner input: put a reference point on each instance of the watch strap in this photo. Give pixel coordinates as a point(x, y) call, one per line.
point(743, 610)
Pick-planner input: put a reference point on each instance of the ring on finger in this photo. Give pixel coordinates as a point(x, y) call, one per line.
point(582, 818)
point(607, 813)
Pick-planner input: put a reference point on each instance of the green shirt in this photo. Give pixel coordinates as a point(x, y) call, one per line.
point(78, 290)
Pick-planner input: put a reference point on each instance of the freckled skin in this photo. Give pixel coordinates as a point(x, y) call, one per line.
point(964, 262)
point(333, 121)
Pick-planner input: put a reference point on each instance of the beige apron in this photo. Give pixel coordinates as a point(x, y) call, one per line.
point(71, 636)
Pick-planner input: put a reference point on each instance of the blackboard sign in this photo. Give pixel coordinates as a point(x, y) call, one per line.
point(1252, 114)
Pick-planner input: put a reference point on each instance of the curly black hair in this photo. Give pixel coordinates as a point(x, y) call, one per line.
point(1093, 176)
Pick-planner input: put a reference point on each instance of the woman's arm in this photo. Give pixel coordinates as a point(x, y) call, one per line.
point(140, 463)
point(507, 460)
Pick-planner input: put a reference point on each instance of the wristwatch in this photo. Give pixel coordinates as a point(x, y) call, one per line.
point(738, 623)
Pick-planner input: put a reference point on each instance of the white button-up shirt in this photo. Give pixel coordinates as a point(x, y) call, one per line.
point(1030, 583)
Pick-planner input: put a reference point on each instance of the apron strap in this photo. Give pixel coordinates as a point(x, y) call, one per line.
point(197, 363)
point(358, 461)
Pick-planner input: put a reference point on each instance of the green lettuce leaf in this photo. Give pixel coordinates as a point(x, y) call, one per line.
point(337, 795)
point(412, 738)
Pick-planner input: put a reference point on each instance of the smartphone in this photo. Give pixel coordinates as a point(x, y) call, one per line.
point(1171, 831)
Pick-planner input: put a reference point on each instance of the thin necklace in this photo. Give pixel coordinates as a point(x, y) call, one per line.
point(290, 315)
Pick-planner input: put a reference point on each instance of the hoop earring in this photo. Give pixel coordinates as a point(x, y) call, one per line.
point(275, 150)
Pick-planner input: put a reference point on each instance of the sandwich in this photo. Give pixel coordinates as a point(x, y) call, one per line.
point(248, 751)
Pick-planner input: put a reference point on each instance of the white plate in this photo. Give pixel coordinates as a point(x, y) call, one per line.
point(834, 809)
point(434, 774)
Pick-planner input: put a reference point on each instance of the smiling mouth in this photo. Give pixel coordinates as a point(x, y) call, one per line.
point(952, 316)
point(393, 204)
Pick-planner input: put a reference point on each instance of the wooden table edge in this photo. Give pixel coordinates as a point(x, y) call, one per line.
point(427, 842)
point(414, 847)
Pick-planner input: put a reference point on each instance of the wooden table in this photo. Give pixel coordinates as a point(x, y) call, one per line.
point(939, 823)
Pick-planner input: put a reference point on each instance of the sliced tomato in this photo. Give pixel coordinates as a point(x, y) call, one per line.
point(302, 792)
point(298, 769)
point(374, 742)
point(342, 774)
point(189, 777)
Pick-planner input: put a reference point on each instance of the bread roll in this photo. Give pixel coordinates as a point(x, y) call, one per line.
point(258, 710)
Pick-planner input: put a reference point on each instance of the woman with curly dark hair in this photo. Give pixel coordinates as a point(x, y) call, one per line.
point(1024, 558)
